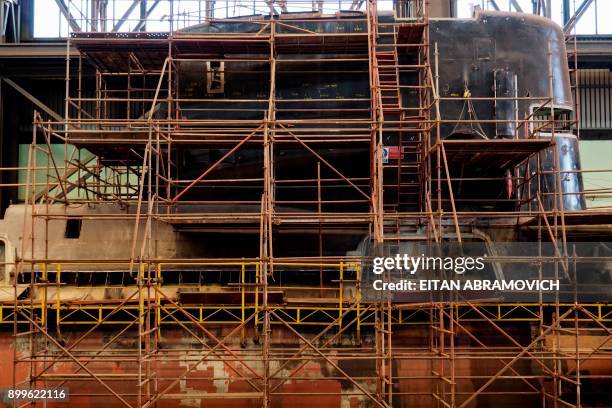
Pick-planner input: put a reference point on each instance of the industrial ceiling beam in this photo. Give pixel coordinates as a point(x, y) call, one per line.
point(8, 10)
point(566, 11)
point(516, 6)
point(99, 15)
point(540, 7)
point(494, 5)
point(35, 100)
point(143, 20)
point(571, 23)
point(68, 16)
point(125, 15)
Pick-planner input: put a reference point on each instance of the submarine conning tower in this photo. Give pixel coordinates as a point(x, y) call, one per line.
point(498, 54)
point(499, 75)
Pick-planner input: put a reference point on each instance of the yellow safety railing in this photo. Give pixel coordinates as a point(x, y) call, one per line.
point(320, 314)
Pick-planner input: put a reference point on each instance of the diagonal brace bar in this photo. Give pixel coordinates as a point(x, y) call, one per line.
point(333, 364)
point(214, 166)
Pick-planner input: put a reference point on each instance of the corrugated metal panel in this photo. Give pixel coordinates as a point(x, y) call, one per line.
point(595, 87)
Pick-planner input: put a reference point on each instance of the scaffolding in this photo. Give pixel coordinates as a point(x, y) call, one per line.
point(122, 148)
